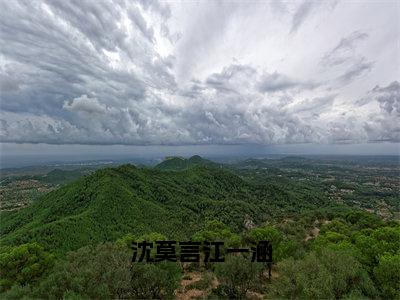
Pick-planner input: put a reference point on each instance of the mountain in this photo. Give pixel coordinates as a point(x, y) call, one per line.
point(58, 176)
point(112, 202)
point(180, 163)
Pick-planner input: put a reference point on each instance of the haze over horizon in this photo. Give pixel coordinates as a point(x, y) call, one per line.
point(93, 78)
point(42, 154)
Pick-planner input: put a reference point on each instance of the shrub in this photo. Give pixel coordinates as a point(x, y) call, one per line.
point(150, 281)
point(306, 278)
point(105, 272)
point(91, 272)
point(387, 275)
point(323, 275)
point(23, 265)
point(204, 283)
point(271, 234)
point(237, 275)
point(17, 292)
point(217, 231)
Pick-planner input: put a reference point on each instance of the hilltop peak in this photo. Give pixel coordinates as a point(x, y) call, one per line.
point(196, 158)
point(174, 157)
point(179, 163)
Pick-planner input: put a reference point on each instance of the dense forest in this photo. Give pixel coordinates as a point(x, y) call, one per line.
point(74, 242)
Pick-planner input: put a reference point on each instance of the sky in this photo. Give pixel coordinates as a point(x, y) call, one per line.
point(103, 75)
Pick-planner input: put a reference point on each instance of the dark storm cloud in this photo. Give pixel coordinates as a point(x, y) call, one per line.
point(110, 72)
point(225, 110)
point(57, 58)
point(57, 73)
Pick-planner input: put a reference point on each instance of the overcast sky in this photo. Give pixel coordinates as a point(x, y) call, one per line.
point(199, 73)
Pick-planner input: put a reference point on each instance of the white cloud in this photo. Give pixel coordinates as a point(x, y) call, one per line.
point(85, 104)
point(148, 72)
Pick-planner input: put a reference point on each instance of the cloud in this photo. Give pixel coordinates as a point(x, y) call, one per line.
point(208, 22)
point(114, 72)
point(229, 78)
point(344, 50)
point(388, 97)
point(302, 12)
point(276, 82)
point(306, 9)
point(356, 69)
point(85, 104)
point(314, 105)
point(345, 59)
point(383, 125)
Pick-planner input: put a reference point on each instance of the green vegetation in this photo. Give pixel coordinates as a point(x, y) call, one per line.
point(180, 163)
point(113, 202)
point(387, 274)
point(74, 242)
point(23, 264)
point(101, 272)
point(237, 275)
point(214, 231)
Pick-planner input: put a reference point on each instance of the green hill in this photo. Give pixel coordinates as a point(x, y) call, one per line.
point(345, 249)
point(180, 163)
point(115, 201)
point(112, 202)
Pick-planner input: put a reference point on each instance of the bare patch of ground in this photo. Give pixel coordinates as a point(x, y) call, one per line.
point(312, 234)
point(182, 293)
point(254, 295)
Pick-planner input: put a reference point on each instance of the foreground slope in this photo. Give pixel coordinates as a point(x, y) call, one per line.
point(115, 201)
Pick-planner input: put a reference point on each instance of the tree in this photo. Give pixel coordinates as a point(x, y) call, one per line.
point(336, 225)
point(217, 231)
point(271, 234)
point(237, 275)
point(127, 239)
point(362, 219)
point(23, 265)
point(330, 239)
point(105, 272)
point(154, 281)
point(387, 275)
point(348, 275)
point(307, 278)
point(374, 243)
point(100, 272)
point(17, 292)
point(322, 275)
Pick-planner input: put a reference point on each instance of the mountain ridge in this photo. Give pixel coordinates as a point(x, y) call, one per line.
point(180, 163)
point(112, 202)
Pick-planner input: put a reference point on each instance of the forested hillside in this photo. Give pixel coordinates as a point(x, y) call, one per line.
point(180, 163)
point(74, 242)
point(111, 202)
